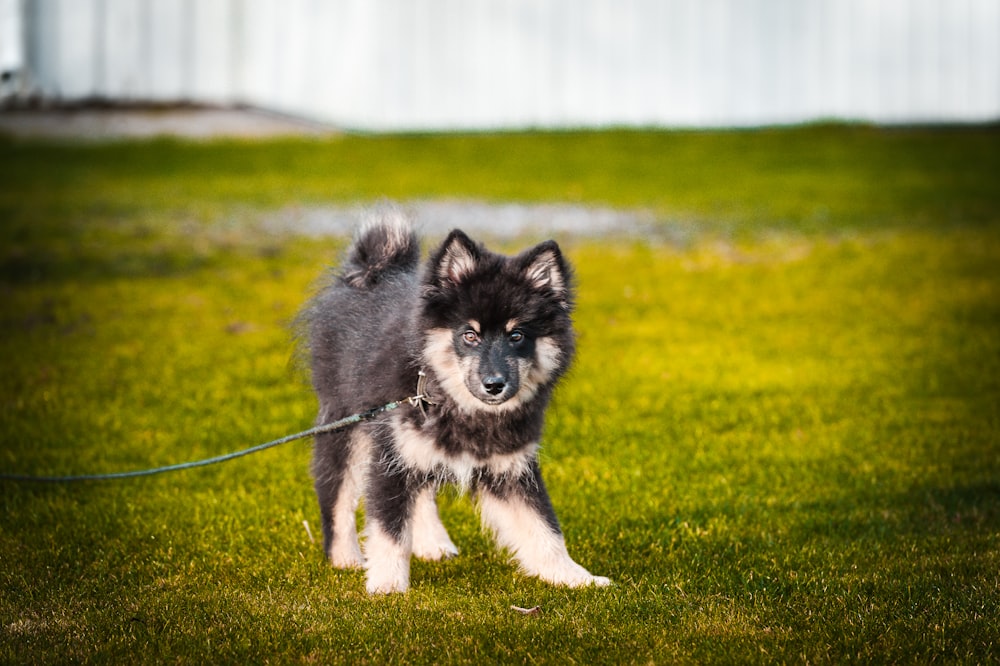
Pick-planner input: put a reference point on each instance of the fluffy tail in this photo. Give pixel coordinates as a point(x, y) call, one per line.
point(386, 244)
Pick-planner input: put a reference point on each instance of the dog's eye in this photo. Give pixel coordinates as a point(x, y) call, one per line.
point(516, 336)
point(470, 337)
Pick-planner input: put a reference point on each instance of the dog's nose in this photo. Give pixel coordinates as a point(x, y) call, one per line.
point(494, 384)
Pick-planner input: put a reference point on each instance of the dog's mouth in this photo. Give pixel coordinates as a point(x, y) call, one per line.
point(497, 398)
point(494, 400)
point(494, 390)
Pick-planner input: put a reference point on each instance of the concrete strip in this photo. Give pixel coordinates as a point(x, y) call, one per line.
point(123, 123)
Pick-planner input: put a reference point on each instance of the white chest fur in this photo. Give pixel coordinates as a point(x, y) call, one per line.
point(416, 451)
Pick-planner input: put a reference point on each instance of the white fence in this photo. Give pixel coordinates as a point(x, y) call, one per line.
point(447, 64)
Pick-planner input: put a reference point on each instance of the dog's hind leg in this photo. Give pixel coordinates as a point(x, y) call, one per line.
point(338, 465)
point(520, 514)
point(430, 539)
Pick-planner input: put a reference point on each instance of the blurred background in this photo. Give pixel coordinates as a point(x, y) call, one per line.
point(387, 65)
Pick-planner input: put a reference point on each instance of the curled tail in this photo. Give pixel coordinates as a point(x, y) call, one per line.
point(386, 244)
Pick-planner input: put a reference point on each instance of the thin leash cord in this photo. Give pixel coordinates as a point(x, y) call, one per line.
point(318, 430)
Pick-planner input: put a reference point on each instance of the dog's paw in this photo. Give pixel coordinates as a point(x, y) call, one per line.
point(430, 538)
point(434, 551)
point(387, 562)
point(587, 580)
point(347, 561)
point(346, 556)
point(376, 584)
point(571, 574)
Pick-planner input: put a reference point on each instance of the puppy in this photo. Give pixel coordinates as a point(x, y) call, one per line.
point(486, 337)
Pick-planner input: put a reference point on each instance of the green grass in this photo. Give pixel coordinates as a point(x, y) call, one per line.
point(781, 438)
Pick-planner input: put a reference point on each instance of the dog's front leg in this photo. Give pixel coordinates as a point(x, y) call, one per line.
point(388, 529)
point(521, 516)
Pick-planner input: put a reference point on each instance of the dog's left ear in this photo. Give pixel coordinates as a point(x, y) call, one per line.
point(456, 259)
point(545, 268)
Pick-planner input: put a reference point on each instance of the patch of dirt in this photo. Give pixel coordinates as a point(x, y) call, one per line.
point(497, 221)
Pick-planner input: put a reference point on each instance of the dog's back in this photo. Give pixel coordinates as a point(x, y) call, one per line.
point(347, 322)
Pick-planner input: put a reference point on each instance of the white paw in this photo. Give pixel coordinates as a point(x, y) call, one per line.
point(430, 538)
point(347, 560)
point(378, 583)
point(387, 562)
point(434, 550)
point(570, 574)
point(346, 554)
point(599, 581)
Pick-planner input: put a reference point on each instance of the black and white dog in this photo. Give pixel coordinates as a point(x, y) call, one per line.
point(487, 337)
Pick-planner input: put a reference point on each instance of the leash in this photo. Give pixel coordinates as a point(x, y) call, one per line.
point(416, 401)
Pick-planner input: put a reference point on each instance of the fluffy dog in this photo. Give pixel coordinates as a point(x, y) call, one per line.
point(486, 337)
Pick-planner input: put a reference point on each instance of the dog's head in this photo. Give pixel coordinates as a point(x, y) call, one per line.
point(498, 329)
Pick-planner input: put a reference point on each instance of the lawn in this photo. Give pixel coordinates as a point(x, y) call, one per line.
point(781, 437)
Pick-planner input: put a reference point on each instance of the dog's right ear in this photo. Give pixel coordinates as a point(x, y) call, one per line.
point(456, 258)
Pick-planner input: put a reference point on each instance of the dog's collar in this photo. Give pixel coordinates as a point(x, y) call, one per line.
point(421, 397)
